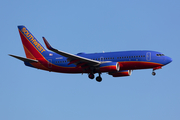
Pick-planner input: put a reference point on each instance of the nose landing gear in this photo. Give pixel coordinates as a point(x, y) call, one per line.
point(156, 68)
point(153, 73)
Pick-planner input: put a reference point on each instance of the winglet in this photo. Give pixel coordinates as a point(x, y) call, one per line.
point(47, 44)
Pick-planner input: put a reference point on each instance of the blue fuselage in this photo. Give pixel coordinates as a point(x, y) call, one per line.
point(128, 60)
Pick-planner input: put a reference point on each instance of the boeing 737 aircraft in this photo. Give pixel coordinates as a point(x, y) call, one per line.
point(117, 64)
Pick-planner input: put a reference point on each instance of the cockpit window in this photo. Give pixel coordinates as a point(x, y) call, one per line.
point(160, 55)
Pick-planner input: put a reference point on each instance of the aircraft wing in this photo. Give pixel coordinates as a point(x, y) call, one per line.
point(23, 59)
point(74, 59)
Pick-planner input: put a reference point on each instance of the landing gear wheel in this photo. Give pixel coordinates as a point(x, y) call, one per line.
point(153, 73)
point(98, 79)
point(91, 76)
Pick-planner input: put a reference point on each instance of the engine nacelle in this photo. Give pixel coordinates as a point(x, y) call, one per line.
point(109, 67)
point(121, 73)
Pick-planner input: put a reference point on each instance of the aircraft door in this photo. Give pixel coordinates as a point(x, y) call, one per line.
point(148, 56)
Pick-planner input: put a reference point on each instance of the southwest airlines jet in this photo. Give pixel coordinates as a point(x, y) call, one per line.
point(117, 64)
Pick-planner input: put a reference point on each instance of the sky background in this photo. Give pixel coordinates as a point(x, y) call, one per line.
point(90, 26)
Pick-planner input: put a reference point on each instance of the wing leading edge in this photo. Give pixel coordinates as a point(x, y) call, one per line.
point(74, 59)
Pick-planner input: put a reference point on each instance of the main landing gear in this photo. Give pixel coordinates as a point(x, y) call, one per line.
point(91, 76)
point(98, 78)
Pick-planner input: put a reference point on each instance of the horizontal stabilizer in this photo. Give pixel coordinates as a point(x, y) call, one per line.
point(24, 59)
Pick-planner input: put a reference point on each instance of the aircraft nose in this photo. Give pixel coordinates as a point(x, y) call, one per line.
point(169, 60)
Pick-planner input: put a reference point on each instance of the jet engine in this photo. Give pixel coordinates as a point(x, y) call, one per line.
point(109, 67)
point(121, 73)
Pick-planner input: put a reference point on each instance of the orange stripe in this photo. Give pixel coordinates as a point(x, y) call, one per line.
point(30, 43)
point(37, 65)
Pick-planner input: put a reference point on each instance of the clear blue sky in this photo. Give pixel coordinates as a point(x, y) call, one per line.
point(90, 26)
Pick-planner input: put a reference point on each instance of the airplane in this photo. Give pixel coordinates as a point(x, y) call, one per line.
point(116, 64)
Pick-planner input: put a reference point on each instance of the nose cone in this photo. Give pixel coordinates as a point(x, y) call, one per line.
point(168, 60)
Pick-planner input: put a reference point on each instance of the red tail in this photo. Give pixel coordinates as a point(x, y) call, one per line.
point(32, 46)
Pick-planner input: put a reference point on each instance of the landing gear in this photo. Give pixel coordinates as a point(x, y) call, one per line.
point(153, 73)
point(99, 78)
point(91, 76)
point(156, 68)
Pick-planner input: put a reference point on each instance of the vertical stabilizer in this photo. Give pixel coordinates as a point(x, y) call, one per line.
point(32, 46)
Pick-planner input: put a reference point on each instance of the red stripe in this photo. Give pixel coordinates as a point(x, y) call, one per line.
point(81, 64)
point(159, 67)
point(130, 65)
point(73, 61)
point(29, 46)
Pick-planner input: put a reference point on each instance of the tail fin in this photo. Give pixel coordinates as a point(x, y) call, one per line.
point(32, 46)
